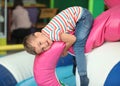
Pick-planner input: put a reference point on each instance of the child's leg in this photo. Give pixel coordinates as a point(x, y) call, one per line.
point(74, 65)
point(82, 31)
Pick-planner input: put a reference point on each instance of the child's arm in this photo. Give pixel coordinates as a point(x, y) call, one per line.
point(69, 40)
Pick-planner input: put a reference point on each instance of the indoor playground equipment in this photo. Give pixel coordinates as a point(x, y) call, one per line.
point(103, 65)
point(11, 47)
point(3, 23)
point(106, 30)
point(111, 3)
point(103, 68)
point(45, 65)
point(15, 68)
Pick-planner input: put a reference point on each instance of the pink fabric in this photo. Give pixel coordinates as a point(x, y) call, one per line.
point(106, 27)
point(45, 64)
point(111, 3)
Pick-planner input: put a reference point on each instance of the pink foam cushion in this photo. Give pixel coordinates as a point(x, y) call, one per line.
point(106, 27)
point(45, 64)
point(111, 3)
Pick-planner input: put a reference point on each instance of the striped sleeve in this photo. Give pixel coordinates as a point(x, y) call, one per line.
point(64, 22)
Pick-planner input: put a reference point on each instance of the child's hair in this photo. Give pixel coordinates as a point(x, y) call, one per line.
point(26, 42)
point(17, 3)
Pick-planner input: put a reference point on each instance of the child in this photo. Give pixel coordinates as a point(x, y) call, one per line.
point(72, 19)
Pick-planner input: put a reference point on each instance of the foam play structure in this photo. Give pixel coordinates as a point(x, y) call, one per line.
point(15, 68)
point(103, 68)
point(111, 3)
point(103, 65)
point(45, 65)
point(12, 47)
point(108, 29)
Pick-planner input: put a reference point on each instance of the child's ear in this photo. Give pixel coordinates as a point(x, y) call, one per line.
point(37, 34)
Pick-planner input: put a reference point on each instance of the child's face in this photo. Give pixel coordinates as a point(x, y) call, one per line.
point(41, 43)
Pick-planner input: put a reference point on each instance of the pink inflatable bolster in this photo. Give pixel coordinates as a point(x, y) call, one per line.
point(106, 27)
point(45, 64)
point(111, 3)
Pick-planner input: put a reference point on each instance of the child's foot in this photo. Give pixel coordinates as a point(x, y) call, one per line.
point(84, 80)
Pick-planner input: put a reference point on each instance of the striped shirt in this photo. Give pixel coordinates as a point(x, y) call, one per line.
point(64, 22)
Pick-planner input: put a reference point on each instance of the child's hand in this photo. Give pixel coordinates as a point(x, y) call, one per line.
point(69, 40)
point(64, 53)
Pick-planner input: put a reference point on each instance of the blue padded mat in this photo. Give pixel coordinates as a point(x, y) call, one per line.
point(113, 78)
point(6, 78)
point(64, 61)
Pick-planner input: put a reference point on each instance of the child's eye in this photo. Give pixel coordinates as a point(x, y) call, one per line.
point(40, 43)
